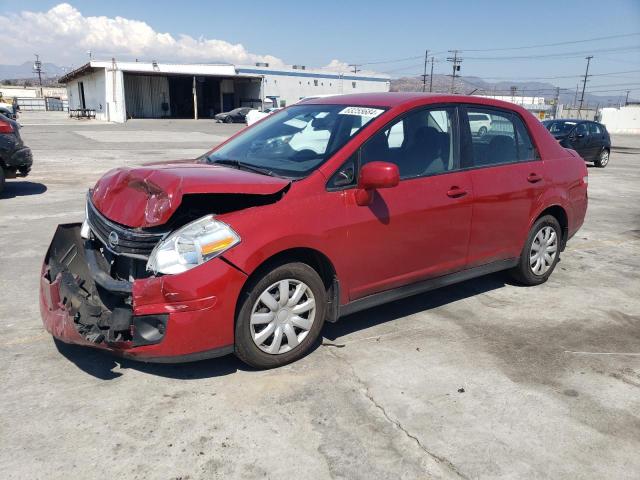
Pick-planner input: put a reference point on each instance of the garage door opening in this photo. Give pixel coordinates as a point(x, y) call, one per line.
point(188, 96)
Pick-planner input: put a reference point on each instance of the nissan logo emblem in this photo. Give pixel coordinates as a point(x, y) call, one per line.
point(113, 239)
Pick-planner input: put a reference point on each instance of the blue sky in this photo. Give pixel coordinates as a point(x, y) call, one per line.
point(314, 33)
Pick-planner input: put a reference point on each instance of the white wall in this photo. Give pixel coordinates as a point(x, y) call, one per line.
point(293, 88)
point(622, 120)
point(8, 92)
point(94, 93)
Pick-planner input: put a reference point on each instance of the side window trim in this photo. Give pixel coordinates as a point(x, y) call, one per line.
point(455, 131)
point(467, 137)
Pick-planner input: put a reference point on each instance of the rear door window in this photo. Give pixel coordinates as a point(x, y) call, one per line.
point(594, 129)
point(500, 138)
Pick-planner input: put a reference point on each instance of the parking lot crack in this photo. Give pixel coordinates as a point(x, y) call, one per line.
point(396, 423)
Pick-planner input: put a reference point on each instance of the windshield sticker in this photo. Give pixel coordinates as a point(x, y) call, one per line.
point(361, 111)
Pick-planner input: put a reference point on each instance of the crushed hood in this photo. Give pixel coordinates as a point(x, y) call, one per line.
point(147, 196)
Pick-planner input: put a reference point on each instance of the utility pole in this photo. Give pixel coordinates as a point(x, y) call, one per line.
point(355, 67)
point(424, 75)
point(557, 100)
point(626, 100)
point(456, 68)
point(575, 98)
point(431, 78)
point(584, 83)
point(37, 68)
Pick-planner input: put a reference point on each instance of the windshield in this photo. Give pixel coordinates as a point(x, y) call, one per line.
point(295, 141)
point(560, 127)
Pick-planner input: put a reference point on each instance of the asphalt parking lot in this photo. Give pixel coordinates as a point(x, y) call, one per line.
point(484, 379)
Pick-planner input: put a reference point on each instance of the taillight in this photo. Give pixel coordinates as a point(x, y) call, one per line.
point(5, 127)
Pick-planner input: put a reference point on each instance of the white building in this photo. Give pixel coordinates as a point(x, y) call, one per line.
point(118, 91)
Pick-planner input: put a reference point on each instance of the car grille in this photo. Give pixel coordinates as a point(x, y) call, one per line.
point(119, 239)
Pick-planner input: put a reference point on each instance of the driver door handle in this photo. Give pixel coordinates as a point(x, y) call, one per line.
point(534, 178)
point(456, 192)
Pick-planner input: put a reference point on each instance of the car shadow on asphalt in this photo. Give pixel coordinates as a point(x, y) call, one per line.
point(412, 305)
point(106, 366)
point(14, 189)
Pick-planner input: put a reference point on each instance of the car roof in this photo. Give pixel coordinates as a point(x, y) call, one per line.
point(396, 99)
point(574, 120)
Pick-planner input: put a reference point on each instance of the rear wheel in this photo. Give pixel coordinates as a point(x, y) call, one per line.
point(482, 131)
point(281, 316)
point(603, 159)
point(228, 120)
point(540, 253)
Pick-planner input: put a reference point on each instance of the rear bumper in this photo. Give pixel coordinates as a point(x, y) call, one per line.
point(170, 318)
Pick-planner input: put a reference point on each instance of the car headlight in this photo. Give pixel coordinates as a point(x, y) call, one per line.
point(192, 245)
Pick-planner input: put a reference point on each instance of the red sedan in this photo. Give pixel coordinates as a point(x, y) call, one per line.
point(322, 209)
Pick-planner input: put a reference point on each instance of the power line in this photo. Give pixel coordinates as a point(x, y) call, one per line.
point(571, 42)
point(562, 76)
point(560, 54)
point(541, 45)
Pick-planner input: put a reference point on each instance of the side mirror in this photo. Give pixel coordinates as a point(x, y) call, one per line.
point(375, 175)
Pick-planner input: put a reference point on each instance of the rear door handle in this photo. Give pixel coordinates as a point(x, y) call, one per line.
point(456, 192)
point(534, 178)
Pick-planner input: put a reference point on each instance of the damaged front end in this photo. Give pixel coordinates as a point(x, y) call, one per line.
point(83, 303)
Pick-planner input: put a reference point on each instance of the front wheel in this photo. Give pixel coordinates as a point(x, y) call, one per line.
point(281, 316)
point(482, 131)
point(540, 253)
point(603, 159)
point(228, 120)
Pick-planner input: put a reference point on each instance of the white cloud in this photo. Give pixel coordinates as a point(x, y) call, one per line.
point(343, 67)
point(63, 35)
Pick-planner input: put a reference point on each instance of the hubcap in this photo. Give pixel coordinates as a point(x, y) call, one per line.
point(282, 316)
point(604, 158)
point(543, 250)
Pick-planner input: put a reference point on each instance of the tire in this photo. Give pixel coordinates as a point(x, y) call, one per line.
point(2, 179)
point(228, 120)
point(603, 158)
point(525, 272)
point(280, 319)
point(482, 131)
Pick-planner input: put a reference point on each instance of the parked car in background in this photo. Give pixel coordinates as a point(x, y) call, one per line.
point(254, 115)
point(237, 115)
point(480, 123)
point(314, 213)
point(15, 157)
point(7, 111)
point(590, 139)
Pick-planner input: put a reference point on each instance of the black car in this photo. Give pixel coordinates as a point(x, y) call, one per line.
point(15, 156)
point(590, 139)
point(7, 112)
point(237, 115)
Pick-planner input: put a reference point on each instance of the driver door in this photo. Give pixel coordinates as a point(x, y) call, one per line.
point(420, 228)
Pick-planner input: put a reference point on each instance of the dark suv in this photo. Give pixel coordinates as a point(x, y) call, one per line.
point(15, 156)
point(590, 139)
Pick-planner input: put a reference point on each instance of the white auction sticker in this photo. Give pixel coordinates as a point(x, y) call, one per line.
point(361, 111)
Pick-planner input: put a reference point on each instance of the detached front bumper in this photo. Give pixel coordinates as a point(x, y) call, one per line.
point(169, 318)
